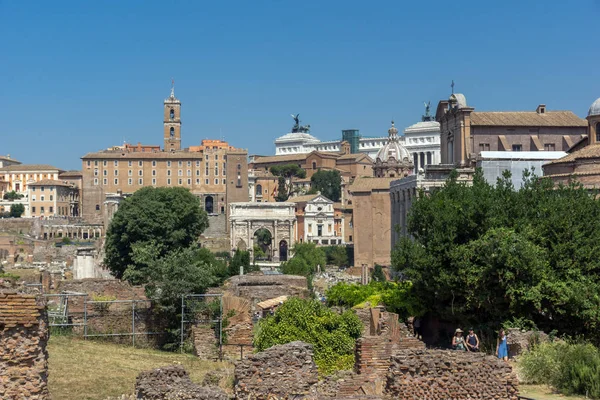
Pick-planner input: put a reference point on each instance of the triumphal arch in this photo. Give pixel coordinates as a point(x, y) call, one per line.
point(270, 227)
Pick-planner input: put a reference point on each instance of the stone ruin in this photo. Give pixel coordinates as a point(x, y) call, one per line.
point(23, 339)
point(173, 383)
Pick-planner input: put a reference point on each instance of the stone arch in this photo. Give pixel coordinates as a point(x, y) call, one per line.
point(209, 204)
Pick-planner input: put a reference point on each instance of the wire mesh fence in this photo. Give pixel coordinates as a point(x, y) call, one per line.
point(202, 324)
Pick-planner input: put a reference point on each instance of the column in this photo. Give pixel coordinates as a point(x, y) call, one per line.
point(275, 245)
point(249, 241)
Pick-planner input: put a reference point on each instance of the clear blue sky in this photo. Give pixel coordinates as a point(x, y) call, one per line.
point(80, 76)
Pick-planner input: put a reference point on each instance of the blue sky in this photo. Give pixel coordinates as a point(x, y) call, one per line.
point(80, 76)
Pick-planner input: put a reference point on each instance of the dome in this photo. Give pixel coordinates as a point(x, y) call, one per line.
point(424, 126)
point(393, 148)
point(594, 108)
point(297, 137)
point(460, 99)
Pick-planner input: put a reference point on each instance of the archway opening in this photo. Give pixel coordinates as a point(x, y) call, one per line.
point(262, 245)
point(283, 251)
point(208, 204)
point(172, 114)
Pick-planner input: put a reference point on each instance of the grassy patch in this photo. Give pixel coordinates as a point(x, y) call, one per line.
point(543, 392)
point(88, 370)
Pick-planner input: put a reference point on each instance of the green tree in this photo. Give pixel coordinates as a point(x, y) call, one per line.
point(489, 253)
point(329, 183)
point(241, 258)
point(16, 210)
point(378, 274)
point(12, 195)
point(336, 255)
point(153, 221)
point(307, 256)
point(332, 335)
point(285, 174)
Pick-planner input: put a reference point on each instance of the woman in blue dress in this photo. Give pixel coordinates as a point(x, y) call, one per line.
point(502, 346)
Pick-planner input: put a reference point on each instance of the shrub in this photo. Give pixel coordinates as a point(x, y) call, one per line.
point(571, 368)
point(332, 335)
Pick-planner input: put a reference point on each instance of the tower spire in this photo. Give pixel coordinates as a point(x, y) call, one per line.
point(172, 88)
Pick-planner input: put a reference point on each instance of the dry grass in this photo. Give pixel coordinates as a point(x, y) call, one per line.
point(29, 275)
point(542, 392)
point(88, 370)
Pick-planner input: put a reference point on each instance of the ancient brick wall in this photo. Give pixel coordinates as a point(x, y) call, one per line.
point(206, 343)
point(173, 382)
point(285, 371)
point(445, 374)
point(258, 288)
point(23, 355)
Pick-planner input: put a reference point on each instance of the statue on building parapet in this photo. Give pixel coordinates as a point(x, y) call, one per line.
point(427, 116)
point(297, 128)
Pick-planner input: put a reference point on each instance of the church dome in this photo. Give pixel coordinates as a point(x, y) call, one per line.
point(393, 148)
point(594, 108)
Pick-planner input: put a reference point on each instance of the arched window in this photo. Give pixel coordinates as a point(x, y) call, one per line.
point(598, 132)
point(259, 190)
point(314, 165)
point(172, 131)
point(172, 114)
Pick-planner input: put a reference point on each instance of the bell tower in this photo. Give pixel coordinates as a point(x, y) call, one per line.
point(172, 122)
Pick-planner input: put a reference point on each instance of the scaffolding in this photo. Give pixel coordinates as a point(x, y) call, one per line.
point(204, 309)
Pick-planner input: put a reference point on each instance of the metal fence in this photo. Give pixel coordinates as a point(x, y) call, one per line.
point(201, 309)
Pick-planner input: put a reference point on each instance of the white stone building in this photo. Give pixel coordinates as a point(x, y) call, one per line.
point(317, 220)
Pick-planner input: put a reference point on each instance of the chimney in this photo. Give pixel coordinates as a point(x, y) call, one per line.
point(541, 109)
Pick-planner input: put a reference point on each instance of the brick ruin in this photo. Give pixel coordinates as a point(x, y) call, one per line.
point(390, 363)
point(23, 355)
point(173, 382)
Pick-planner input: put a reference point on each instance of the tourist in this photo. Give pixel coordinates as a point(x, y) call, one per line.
point(417, 328)
point(472, 341)
point(458, 341)
point(502, 346)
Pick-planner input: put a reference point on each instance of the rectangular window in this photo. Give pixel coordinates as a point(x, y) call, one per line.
point(95, 181)
point(42, 188)
point(216, 156)
point(105, 163)
point(153, 172)
point(484, 147)
point(169, 181)
point(224, 181)
point(130, 173)
point(153, 181)
point(89, 163)
point(197, 181)
point(189, 163)
point(179, 172)
point(105, 181)
point(189, 172)
point(116, 163)
point(517, 147)
point(95, 172)
point(180, 181)
point(180, 163)
point(206, 171)
point(216, 171)
point(51, 209)
point(130, 181)
point(239, 181)
point(141, 172)
point(96, 163)
point(42, 209)
point(197, 163)
point(116, 181)
point(51, 198)
point(207, 157)
point(168, 163)
point(130, 163)
point(105, 172)
point(33, 189)
point(549, 147)
point(116, 172)
point(42, 198)
point(140, 181)
point(32, 198)
point(33, 210)
point(168, 172)
point(197, 172)
point(140, 163)
point(206, 181)
point(154, 163)
point(189, 181)
point(216, 181)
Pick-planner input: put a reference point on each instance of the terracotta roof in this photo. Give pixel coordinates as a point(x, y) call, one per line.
point(355, 156)
point(68, 174)
point(134, 155)
point(272, 302)
point(29, 167)
point(367, 184)
point(591, 151)
point(5, 158)
point(305, 198)
point(50, 182)
point(527, 118)
point(281, 158)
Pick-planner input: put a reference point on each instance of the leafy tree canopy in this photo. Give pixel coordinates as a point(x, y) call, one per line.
point(488, 254)
point(329, 183)
point(285, 173)
point(152, 221)
point(332, 335)
point(307, 256)
point(378, 275)
point(12, 195)
point(336, 255)
point(241, 258)
point(16, 210)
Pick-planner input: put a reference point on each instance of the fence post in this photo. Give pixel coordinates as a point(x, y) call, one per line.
point(133, 323)
point(85, 317)
point(182, 317)
point(221, 328)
